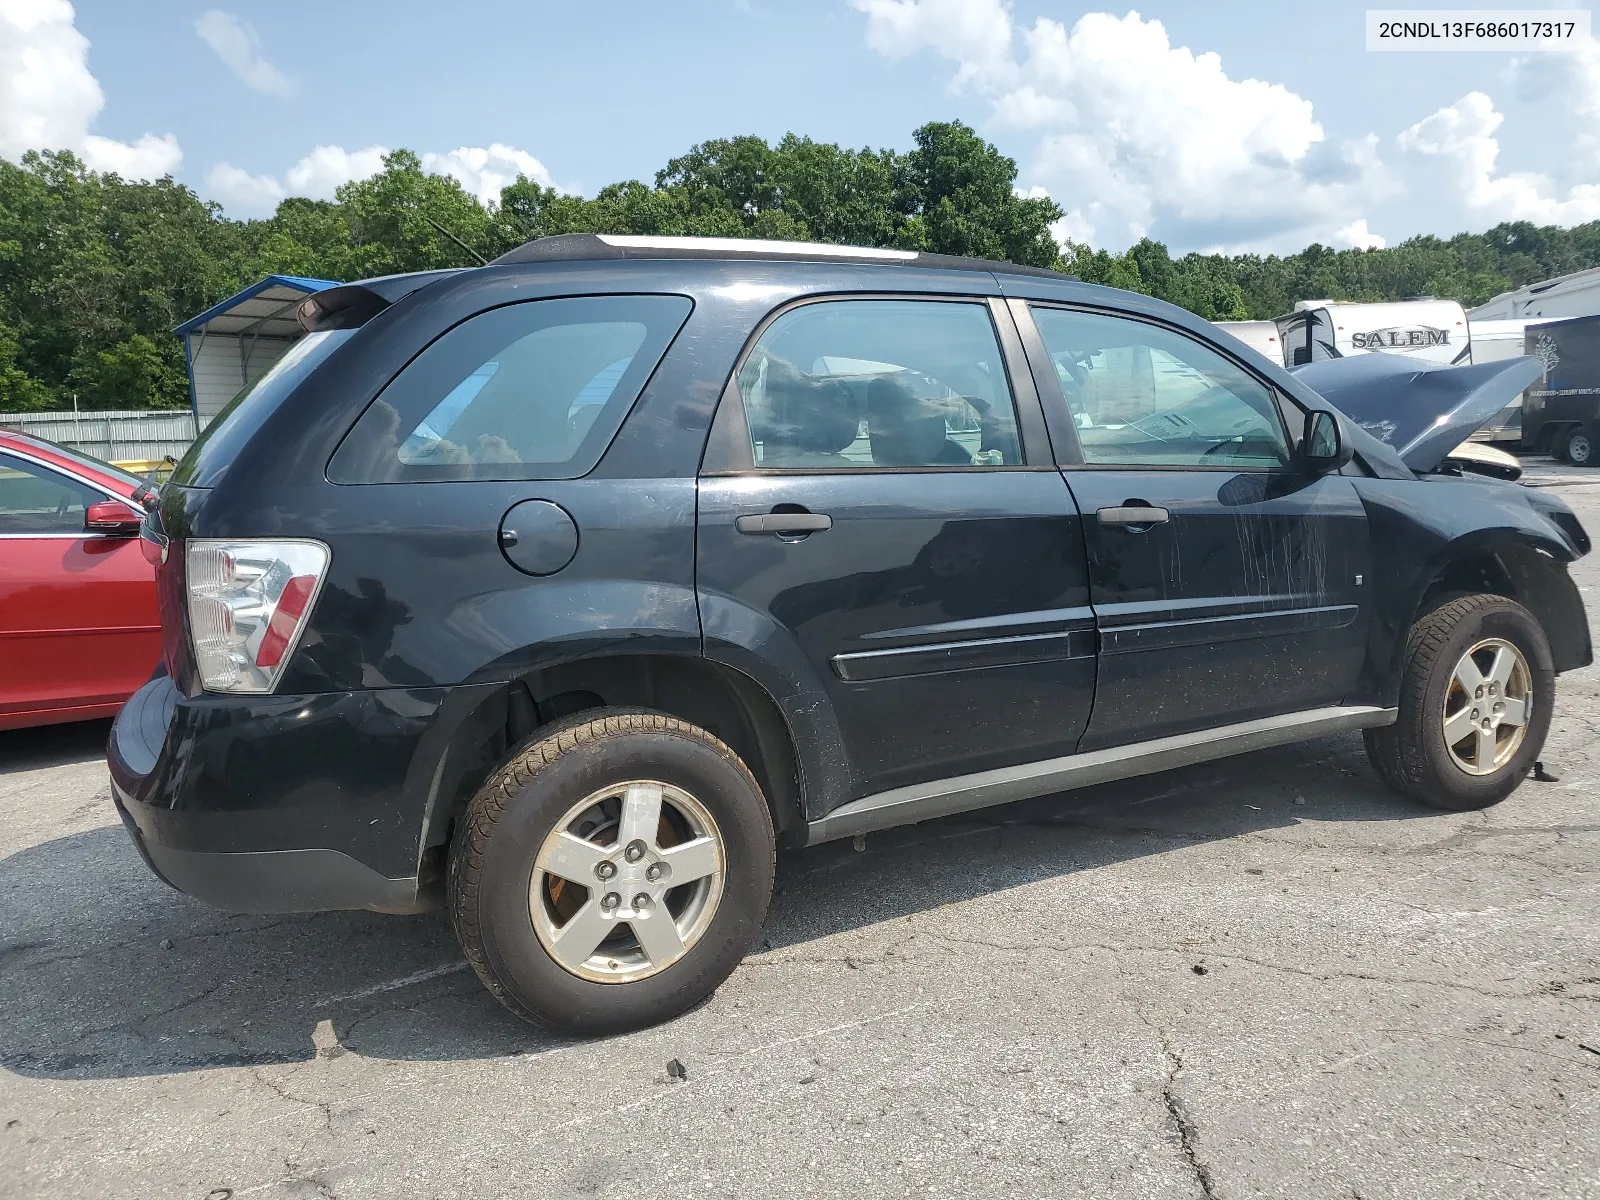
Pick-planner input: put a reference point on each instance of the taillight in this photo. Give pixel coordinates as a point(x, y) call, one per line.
point(248, 604)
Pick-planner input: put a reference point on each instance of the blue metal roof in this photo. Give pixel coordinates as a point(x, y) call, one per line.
point(222, 308)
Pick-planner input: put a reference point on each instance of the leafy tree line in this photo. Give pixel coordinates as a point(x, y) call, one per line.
point(95, 270)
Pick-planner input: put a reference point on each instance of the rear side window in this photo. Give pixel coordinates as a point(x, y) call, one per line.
point(529, 391)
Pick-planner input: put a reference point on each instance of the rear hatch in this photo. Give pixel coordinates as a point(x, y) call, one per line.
point(330, 318)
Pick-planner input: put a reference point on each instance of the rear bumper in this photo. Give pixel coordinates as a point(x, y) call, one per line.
point(285, 803)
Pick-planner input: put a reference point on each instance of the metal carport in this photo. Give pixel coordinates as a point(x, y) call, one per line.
point(235, 342)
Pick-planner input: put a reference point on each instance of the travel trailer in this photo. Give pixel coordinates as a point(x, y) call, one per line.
point(1427, 329)
point(1261, 336)
point(1492, 341)
point(1574, 295)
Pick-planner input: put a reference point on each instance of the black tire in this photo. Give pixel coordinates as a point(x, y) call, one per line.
point(1578, 448)
point(1411, 755)
point(497, 840)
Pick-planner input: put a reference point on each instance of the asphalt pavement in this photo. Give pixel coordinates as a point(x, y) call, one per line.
point(1265, 977)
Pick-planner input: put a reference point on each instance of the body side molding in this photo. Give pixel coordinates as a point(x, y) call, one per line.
point(962, 793)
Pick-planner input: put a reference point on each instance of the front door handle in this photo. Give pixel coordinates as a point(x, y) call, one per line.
point(1133, 514)
point(783, 523)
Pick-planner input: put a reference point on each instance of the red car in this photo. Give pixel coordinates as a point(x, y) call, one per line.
point(79, 630)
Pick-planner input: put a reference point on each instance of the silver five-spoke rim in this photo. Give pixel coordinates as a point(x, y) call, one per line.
point(627, 881)
point(1487, 706)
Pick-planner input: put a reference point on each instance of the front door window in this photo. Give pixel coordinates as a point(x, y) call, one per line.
point(1144, 395)
point(37, 500)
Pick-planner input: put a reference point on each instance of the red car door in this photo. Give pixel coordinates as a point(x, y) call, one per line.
point(79, 630)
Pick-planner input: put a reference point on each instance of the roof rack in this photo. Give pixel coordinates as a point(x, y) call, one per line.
point(580, 247)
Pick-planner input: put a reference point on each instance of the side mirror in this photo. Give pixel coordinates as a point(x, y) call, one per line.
point(112, 518)
point(1323, 446)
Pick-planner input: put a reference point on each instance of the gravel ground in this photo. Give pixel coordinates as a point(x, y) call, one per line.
point(1262, 977)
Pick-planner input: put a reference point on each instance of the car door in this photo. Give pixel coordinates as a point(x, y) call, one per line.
point(1228, 582)
point(79, 631)
point(879, 507)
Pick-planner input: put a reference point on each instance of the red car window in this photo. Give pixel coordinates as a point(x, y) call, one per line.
point(35, 499)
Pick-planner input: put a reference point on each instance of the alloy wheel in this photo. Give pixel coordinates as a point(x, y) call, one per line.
point(1487, 706)
point(627, 881)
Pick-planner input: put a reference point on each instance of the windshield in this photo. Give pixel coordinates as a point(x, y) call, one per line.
point(239, 419)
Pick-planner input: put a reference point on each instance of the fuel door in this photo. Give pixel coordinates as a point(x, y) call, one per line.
point(538, 537)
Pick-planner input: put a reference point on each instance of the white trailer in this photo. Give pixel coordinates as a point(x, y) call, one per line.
point(1574, 295)
point(1426, 329)
point(1494, 340)
point(1260, 336)
point(1491, 341)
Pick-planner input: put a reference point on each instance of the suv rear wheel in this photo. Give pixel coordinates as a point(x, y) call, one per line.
point(613, 873)
point(1475, 705)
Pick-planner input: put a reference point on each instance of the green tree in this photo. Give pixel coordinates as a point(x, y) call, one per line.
point(134, 374)
point(95, 270)
point(394, 221)
point(960, 195)
point(18, 391)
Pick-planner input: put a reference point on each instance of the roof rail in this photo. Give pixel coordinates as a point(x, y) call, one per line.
point(581, 247)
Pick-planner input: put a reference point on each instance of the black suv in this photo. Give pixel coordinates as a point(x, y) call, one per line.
point(566, 588)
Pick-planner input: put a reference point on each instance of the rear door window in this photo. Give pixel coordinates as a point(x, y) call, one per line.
point(529, 391)
point(863, 384)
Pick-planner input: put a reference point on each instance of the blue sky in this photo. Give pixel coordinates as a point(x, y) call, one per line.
point(1119, 114)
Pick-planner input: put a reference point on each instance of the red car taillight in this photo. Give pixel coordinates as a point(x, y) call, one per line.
point(248, 604)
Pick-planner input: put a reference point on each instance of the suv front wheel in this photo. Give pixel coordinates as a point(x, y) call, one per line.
point(613, 873)
point(1475, 703)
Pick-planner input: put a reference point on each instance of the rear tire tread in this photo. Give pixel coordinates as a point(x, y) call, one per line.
point(483, 814)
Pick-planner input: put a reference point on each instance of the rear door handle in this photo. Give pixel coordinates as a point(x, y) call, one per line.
point(1129, 515)
point(783, 522)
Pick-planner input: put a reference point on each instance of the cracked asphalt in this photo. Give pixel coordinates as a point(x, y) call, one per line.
point(1266, 977)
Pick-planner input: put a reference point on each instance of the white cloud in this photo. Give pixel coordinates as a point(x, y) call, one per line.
point(1136, 135)
point(483, 172)
point(1357, 236)
point(239, 46)
point(319, 174)
point(1456, 146)
point(976, 33)
point(1566, 83)
point(150, 157)
point(49, 99)
point(239, 189)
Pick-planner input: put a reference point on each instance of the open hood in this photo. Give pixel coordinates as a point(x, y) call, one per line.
point(1422, 410)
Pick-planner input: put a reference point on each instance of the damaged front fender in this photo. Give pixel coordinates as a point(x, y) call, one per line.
point(1454, 536)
